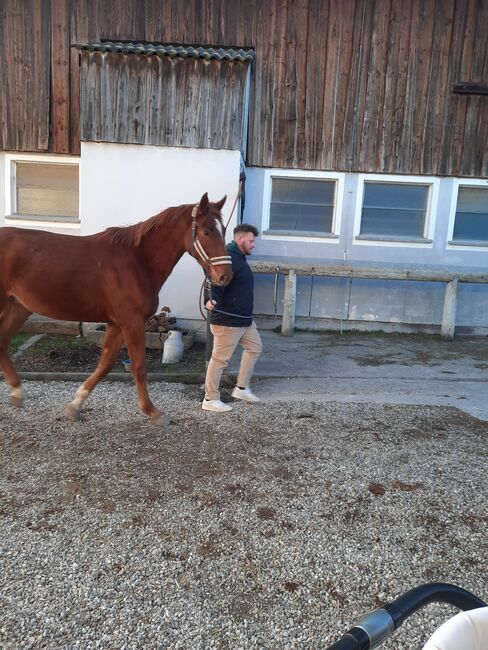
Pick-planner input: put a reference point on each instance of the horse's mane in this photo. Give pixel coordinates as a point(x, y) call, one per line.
point(134, 235)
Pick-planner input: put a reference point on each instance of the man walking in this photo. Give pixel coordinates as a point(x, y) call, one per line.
point(231, 323)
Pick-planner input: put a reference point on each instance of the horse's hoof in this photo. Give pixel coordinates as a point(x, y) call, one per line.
point(160, 419)
point(72, 413)
point(16, 401)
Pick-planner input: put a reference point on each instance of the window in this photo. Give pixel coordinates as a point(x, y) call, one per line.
point(302, 204)
point(42, 190)
point(471, 218)
point(395, 209)
point(306, 206)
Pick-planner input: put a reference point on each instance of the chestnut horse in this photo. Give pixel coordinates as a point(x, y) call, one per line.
point(113, 276)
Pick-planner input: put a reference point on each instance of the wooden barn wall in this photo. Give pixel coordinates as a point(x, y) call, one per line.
point(162, 101)
point(353, 85)
point(25, 29)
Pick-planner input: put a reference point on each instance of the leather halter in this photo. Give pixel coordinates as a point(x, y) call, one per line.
point(211, 261)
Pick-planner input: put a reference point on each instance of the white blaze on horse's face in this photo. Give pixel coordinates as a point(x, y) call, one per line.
point(209, 243)
point(220, 227)
point(220, 266)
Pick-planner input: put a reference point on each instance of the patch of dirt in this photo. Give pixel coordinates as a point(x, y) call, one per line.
point(70, 354)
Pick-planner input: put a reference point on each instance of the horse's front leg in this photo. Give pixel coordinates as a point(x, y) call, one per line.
point(112, 343)
point(136, 346)
point(12, 316)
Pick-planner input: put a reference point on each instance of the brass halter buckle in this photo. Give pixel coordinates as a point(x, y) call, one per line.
point(211, 261)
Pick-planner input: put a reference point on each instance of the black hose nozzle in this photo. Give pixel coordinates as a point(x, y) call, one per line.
point(378, 625)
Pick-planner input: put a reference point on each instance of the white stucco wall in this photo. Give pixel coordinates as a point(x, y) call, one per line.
point(124, 184)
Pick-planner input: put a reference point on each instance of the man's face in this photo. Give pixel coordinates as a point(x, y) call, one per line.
point(246, 242)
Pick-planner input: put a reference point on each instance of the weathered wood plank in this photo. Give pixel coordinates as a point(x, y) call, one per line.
point(374, 42)
point(294, 82)
point(170, 78)
point(421, 54)
point(262, 92)
point(455, 110)
point(327, 114)
point(395, 83)
point(25, 91)
point(154, 97)
point(314, 81)
point(276, 68)
point(344, 84)
point(476, 124)
point(60, 76)
point(138, 70)
point(428, 275)
point(356, 98)
point(438, 90)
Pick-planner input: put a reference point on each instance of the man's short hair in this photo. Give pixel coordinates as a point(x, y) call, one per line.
point(246, 227)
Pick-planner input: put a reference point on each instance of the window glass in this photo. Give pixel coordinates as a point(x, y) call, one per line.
point(471, 223)
point(49, 190)
point(394, 209)
point(302, 205)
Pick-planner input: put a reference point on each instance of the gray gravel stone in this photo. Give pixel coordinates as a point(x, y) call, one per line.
point(273, 526)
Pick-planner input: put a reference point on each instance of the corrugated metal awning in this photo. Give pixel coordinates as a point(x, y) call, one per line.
point(173, 51)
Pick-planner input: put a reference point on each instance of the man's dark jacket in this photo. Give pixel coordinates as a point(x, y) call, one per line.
point(238, 296)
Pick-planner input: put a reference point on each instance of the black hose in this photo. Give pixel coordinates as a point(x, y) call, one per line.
point(432, 592)
point(377, 625)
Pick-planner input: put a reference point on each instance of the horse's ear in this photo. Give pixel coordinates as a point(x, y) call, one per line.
point(204, 204)
point(220, 203)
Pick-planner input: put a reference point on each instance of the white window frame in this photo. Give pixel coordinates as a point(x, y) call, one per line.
point(293, 174)
point(13, 219)
point(451, 244)
point(430, 213)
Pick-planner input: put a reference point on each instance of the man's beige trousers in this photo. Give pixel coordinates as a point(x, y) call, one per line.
point(226, 340)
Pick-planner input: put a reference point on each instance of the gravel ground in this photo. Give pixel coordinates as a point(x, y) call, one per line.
point(273, 526)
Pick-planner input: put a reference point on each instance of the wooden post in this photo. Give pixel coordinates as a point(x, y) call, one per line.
point(449, 314)
point(289, 302)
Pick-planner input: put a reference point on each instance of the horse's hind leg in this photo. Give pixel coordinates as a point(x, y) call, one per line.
point(12, 316)
point(112, 343)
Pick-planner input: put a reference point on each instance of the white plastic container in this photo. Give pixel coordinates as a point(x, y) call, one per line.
point(465, 631)
point(173, 347)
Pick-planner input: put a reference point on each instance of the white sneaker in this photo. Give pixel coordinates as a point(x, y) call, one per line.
point(215, 405)
point(245, 394)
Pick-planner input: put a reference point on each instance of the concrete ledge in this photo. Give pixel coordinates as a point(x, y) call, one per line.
point(40, 325)
point(28, 344)
point(95, 333)
point(92, 331)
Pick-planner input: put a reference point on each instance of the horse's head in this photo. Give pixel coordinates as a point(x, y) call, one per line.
point(208, 242)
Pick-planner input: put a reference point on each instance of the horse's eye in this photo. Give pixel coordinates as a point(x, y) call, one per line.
point(206, 232)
